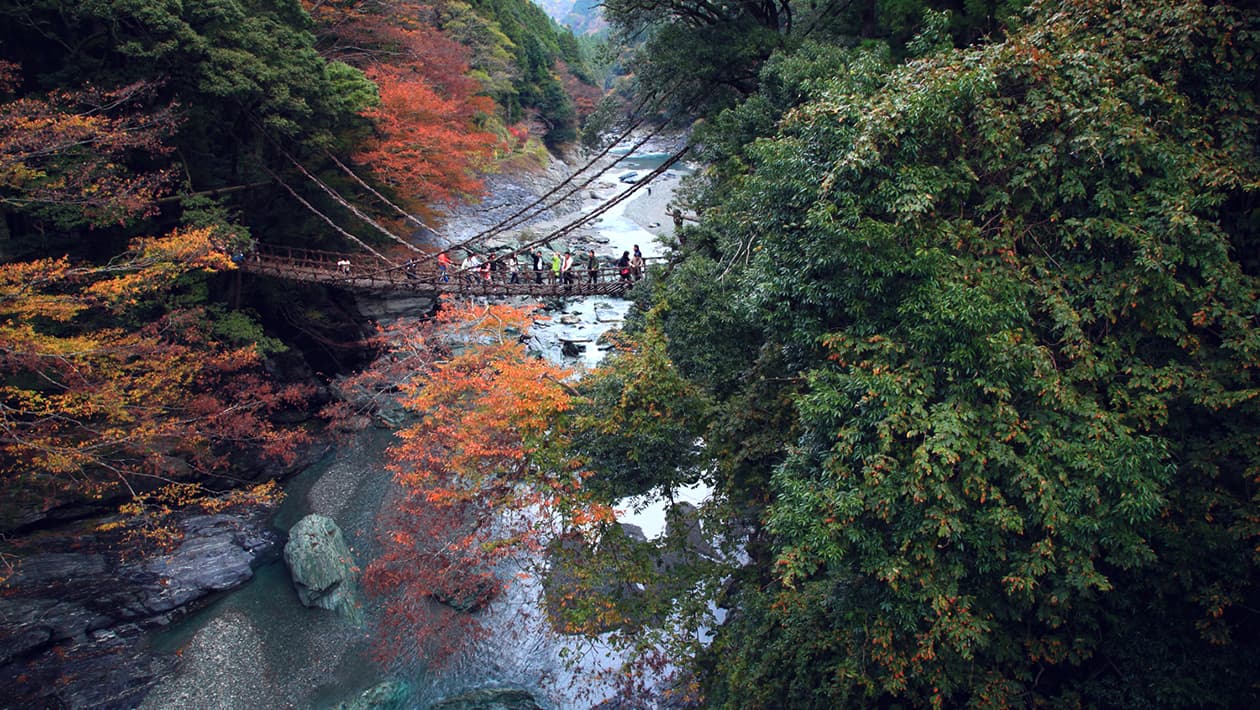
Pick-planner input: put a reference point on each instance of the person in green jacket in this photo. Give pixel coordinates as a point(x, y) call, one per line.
point(592, 267)
point(555, 267)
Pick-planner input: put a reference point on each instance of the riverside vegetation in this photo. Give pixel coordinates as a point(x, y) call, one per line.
point(964, 339)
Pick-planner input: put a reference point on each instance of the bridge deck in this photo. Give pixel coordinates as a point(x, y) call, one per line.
point(326, 268)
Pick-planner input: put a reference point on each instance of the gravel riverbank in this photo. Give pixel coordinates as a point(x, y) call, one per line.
point(647, 211)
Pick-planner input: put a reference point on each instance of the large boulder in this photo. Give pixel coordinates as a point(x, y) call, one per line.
point(489, 699)
point(390, 695)
point(322, 566)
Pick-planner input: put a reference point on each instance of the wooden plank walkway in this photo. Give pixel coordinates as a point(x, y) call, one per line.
point(341, 270)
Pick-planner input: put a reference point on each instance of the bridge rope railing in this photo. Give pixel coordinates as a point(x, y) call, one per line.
point(604, 207)
point(568, 227)
point(340, 269)
point(519, 217)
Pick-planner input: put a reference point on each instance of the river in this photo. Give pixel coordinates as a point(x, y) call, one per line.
point(258, 647)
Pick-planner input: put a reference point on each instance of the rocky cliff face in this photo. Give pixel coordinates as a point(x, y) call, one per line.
point(71, 622)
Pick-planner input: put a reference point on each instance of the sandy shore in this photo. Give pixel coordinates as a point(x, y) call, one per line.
point(650, 210)
point(647, 210)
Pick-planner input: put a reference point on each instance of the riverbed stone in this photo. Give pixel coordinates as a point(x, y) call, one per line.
point(322, 566)
point(224, 666)
point(490, 699)
point(390, 695)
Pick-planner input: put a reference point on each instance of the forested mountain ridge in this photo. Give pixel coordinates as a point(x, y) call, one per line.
point(983, 383)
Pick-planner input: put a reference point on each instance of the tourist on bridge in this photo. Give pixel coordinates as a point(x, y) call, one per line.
point(468, 267)
point(637, 263)
point(566, 267)
point(444, 267)
point(592, 268)
point(538, 266)
point(623, 264)
point(514, 269)
point(555, 267)
point(343, 265)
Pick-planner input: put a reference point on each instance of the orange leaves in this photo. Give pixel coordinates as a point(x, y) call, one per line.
point(482, 483)
point(62, 154)
point(428, 142)
point(86, 409)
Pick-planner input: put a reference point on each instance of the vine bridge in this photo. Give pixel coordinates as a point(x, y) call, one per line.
point(348, 271)
point(371, 270)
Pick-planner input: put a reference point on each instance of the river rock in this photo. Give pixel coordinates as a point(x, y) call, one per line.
point(389, 307)
point(490, 699)
point(71, 622)
point(682, 522)
point(390, 695)
point(218, 553)
point(322, 567)
point(633, 532)
point(469, 592)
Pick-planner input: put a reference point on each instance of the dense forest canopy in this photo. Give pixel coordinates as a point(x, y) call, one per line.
point(983, 375)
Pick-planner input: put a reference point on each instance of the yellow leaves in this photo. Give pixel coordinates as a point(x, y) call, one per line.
point(119, 402)
point(50, 288)
point(147, 518)
point(154, 263)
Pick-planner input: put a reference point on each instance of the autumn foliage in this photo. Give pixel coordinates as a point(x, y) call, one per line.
point(480, 486)
point(107, 393)
point(426, 145)
point(63, 154)
point(427, 140)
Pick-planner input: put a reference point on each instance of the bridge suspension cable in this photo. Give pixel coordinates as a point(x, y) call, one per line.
point(515, 219)
point(405, 214)
point(346, 203)
point(325, 217)
point(520, 217)
point(605, 206)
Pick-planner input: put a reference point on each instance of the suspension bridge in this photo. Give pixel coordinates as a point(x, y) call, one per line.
point(372, 270)
point(348, 271)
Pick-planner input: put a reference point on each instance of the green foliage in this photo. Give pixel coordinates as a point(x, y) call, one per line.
point(241, 73)
point(535, 43)
point(241, 328)
point(707, 56)
point(637, 428)
point(228, 232)
point(1010, 294)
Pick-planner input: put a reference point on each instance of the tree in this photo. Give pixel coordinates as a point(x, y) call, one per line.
point(107, 393)
point(637, 426)
point(706, 56)
point(481, 487)
point(424, 144)
point(428, 138)
point(237, 75)
point(1009, 293)
point(62, 155)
